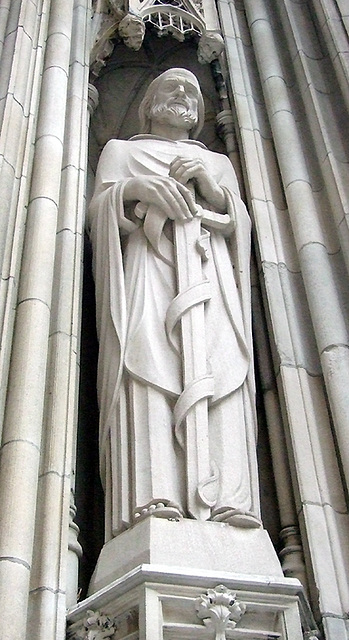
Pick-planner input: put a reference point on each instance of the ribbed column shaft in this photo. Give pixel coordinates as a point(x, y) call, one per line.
point(336, 35)
point(20, 79)
point(281, 468)
point(324, 107)
point(326, 311)
point(49, 575)
point(9, 19)
point(25, 398)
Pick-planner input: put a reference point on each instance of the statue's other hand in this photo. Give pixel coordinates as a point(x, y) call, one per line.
point(173, 198)
point(185, 169)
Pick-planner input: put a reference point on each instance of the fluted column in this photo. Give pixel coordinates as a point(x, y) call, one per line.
point(322, 294)
point(302, 269)
point(23, 27)
point(333, 21)
point(291, 555)
point(25, 398)
point(54, 579)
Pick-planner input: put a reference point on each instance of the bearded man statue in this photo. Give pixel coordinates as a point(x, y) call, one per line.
point(171, 246)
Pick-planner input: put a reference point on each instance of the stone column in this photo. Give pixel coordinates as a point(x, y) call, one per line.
point(23, 28)
point(56, 543)
point(291, 555)
point(25, 396)
point(284, 113)
point(325, 306)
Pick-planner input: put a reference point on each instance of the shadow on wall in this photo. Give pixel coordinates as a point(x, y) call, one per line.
point(89, 495)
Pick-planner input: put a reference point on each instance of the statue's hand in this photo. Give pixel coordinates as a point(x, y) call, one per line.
point(185, 169)
point(173, 198)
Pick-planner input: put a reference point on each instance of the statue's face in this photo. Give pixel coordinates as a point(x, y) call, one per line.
point(133, 36)
point(210, 47)
point(176, 102)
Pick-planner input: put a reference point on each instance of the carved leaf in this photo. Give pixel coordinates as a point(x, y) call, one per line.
point(219, 610)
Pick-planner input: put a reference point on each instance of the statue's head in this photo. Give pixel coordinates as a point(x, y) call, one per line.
point(211, 45)
point(132, 30)
point(174, 97)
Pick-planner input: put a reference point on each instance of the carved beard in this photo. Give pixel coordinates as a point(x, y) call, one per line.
point(176, 115)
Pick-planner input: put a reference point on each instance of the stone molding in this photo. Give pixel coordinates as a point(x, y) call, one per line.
point(165, 602)
point(93, 99)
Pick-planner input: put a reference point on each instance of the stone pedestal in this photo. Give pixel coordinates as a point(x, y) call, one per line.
point(188, 579)
point(187, 544)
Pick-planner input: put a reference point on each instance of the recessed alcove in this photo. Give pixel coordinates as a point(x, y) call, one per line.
point(121, 86)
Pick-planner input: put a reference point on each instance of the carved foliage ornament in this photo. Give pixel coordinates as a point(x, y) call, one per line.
point(219, 610)
point(95, 626)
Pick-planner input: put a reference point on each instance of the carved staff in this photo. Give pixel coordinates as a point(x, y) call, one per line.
point(191, 409)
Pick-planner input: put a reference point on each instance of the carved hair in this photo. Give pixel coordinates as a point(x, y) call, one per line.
point(147, 102)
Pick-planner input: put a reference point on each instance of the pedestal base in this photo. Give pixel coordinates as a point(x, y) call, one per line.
point(189, 544)
point(150, 603)
point(186, 580)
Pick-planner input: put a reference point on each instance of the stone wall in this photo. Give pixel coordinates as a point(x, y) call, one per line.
point(286, 68)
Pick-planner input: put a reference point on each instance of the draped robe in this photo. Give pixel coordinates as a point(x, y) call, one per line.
point(139, 372)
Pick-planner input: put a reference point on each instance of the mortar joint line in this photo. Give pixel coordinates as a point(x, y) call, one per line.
point(34, 299)
point(42, 197)
point(297, 367)
point(56, 66)
point(333, 346)
point(50, 589)
point(22, 441)
point(320, 244)
point(62, 476)
point(313, 503)
point(15, 560)
point(58, 33)
point(48, 135)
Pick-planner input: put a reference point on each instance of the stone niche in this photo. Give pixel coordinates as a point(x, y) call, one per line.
point(163, 579)
point(121, 86)
point(122, 83)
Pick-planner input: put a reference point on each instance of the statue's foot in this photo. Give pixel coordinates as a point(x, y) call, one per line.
point(159, 509)
point(236, 518)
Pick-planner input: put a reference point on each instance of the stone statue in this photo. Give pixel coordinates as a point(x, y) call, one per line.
point(211, 45)
point(171, 245)
point(132, 31)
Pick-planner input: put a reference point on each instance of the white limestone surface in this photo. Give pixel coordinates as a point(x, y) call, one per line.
point(189, 544)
